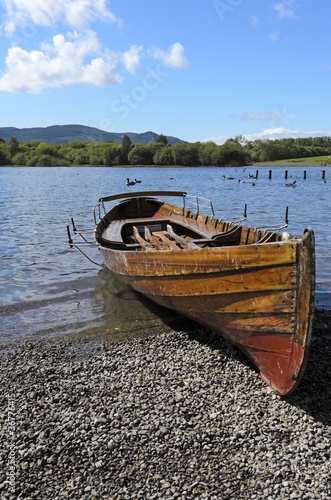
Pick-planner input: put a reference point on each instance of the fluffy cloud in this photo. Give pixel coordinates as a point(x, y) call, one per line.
point(131, 58)
point(273, 133)
point(73, 58)
point(284, 9)
point(173, 58)
point(60, 64)
point(76, 13)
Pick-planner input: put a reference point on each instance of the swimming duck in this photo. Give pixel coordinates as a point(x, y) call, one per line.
point(130, 183)
point(291, 184)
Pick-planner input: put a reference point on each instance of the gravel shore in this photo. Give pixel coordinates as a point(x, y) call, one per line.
point(179, 415)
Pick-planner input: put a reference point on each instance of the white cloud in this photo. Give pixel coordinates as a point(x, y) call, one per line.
point(273, 133)
point(58, 65)
point(284, 9)
point(173, 58)
point(76, 13)
point(74, 58)
point(131, 58)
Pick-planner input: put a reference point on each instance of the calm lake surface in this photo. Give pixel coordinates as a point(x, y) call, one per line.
point(49, 291)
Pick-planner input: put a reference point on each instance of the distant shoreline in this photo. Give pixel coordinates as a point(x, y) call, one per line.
point(276, 163)
point(286, 163)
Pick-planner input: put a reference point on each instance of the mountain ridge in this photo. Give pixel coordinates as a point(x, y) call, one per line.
point(60, 134)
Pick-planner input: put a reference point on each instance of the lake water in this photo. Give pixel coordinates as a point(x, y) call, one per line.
point(49, 291)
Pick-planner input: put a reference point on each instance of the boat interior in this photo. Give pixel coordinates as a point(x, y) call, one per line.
point(143, 223)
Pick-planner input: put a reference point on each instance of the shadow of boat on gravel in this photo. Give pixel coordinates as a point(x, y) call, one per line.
point(313, 395)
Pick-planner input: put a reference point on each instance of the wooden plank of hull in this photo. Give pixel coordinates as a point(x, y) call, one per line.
point(276, 301)
point(274, 278)
point(168, 263)
point(237, 325)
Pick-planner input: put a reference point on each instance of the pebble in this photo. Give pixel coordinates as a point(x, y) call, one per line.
point(179, 415)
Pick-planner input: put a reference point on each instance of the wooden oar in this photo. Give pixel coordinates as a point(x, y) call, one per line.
point(165, 239)
point(185, 243)
point(143, 243)
point(159, 245)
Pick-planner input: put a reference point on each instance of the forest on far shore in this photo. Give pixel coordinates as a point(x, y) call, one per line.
point(235, 151)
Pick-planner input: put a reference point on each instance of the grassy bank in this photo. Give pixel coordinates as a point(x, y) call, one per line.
point(309, 161)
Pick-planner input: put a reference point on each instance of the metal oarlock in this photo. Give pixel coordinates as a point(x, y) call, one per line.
point(283, 226)
point(244, 217)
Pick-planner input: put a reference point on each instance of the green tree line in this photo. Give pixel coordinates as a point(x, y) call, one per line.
point(235, 151)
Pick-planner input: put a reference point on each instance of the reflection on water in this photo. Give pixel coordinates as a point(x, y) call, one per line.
point(96, 306)
point(124, 313)
point(48, 290)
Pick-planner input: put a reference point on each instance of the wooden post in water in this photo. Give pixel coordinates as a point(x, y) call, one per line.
point(256, 174)
point(304, 174)
point(323, 174)
point(270, 174)
point(285, 174)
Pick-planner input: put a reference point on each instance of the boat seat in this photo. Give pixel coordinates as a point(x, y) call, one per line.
point(154, 241)
point(228, 238)
point(149, 235)
point(185, 243)
point(270, 235)
point(152, 223)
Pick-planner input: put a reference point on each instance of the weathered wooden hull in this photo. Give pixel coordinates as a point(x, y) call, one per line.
point(259, 296)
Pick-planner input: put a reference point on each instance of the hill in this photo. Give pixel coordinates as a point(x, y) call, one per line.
point(60, 134)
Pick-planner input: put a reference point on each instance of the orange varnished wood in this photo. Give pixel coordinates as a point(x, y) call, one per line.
point(198, 262)
point(265, 302)
point(165, 239)
point(275, 278)
point(143, 243)
point(259, 296)
point(240, 325)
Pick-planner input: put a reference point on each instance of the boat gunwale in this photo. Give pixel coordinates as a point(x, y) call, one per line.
point(180, 219)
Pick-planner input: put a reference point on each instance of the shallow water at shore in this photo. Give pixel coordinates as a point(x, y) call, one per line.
point(50, 291)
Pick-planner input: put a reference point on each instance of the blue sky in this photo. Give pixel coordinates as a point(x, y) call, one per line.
point(197, 70)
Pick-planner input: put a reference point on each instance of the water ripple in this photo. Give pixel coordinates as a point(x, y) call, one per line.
point(48, 290)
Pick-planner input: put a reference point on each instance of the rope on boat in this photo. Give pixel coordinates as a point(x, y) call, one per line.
point(72, 244)
point(88, 258)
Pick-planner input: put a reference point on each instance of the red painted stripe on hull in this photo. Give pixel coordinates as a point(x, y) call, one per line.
point(277, 358)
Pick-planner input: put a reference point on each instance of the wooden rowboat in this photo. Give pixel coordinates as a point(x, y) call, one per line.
point(255, 287)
